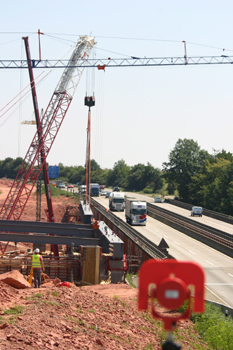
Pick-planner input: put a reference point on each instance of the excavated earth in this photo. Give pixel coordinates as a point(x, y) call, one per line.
point(103, 316)
point(93, 317)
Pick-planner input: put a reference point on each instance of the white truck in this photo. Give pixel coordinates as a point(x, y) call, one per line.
point(117, 201)
point(135, 212)
point(82, 189)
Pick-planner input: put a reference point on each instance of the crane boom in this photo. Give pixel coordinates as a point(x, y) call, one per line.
point(46, 133)
point(120, 62)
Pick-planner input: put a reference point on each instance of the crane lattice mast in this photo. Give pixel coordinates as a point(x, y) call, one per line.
point(46, 133)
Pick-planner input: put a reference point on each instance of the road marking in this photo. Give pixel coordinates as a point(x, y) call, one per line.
point(209, 262)
point(223, 301)
point(191, 252)
point(230, 275)
point(177, 243)
point(165, 236)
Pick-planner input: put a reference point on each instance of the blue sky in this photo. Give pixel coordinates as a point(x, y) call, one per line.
point(140, 112)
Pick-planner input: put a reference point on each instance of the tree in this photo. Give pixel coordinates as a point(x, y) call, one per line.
point(213, 187)
point(185, 160)
point(137, 178)
point(119, 175)
point(10, 167)
point(94, 165)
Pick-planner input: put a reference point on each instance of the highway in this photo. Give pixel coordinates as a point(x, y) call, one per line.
point(218, 267)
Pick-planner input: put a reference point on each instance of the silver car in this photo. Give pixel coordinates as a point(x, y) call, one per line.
point(61, 186)
point(196, 211)
point(158, 200)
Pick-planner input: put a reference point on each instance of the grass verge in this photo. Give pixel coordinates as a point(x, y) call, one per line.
point(129, 277)
point(214, 327)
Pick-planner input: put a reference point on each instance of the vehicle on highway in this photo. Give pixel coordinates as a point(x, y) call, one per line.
point(53, 184)
point(196, 211)
point(116, 189)
point(158, 200)
point(58, 182)
point(61, 185)
point(103, 193)
point(135, 212)
point(82, 189)
point(107, 194)
point(102, 187)
point(95, 190)
point(70, 186)
point(116, 201)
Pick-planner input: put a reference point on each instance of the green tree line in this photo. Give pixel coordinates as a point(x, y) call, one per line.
point(139, 177)
point(201, 178)
point(198, 177)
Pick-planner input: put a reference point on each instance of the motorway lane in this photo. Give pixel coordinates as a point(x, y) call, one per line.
point(220, 225)
point(218, 267)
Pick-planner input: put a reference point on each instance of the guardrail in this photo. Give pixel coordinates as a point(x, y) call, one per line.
point(145, 244)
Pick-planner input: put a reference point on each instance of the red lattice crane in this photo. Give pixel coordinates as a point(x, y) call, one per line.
point(46, 133)
point(49, 211)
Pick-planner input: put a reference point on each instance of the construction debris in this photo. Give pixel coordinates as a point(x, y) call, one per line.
point(15, 279)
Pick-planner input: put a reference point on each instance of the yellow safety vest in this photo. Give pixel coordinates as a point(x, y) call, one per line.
point(36, 264)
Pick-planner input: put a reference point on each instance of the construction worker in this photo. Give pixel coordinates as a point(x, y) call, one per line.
point(37, 264)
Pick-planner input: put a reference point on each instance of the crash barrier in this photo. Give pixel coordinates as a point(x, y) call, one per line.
point(64, 269)
point(206, 212)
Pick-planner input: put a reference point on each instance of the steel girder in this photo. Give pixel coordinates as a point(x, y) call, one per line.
point(46, 227)
point(17, 237)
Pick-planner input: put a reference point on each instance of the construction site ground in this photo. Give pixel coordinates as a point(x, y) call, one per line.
point(102, 316)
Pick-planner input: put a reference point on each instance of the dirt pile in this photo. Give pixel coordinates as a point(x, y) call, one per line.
point(29, 214)
point(95, 317)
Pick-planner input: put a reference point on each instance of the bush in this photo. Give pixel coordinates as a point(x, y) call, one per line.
point(147, 190)
point(214, 327)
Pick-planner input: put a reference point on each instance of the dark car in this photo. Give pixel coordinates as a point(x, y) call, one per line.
point(116, 189)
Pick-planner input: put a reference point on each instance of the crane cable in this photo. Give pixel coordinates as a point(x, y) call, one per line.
point(99, 117)
point(20, 105)
point(20, 93)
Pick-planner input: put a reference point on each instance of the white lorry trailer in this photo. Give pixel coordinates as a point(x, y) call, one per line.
point(135, 212)
point(82, 189)
point(117, 201)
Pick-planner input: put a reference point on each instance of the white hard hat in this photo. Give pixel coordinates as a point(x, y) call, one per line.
point(37, 250)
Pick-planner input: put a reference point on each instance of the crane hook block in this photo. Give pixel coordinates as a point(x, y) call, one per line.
point(89, 101)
